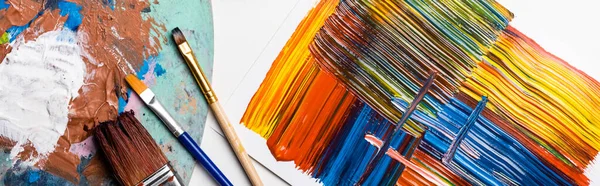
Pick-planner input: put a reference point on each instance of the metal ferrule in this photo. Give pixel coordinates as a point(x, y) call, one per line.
point(150, 100)
point(191, 61)
point(162, 175)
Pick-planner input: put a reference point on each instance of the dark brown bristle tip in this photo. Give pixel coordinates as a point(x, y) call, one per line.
point(178, 36)
point(129, 149)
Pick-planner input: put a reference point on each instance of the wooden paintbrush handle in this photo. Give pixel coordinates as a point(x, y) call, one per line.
point(236, 144)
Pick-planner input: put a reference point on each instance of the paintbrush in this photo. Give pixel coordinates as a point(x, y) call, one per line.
point(150, 99)
point(134, 156)
point(219, 113)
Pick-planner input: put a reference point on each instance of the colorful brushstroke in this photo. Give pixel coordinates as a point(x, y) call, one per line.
point(352, 68)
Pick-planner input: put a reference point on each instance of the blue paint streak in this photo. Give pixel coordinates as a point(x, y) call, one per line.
point(158, 69)
point(14, 31)
point(123, 102)
point(144, 69)
point(72, 10)
point(4, 5)
point(464, 130)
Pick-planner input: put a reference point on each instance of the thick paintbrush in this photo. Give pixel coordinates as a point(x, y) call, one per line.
point(152, 102)
point(217, 110)
point(132, 153)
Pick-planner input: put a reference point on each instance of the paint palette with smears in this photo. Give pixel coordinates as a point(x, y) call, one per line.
point(62, 72)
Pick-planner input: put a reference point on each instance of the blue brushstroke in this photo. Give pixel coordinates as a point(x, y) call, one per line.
point(449, 155)
point(501, 159)
point(144, 69)
point(123, 102)
point(499, 153)
point(158, 69)
point(33, 176)
point(71, 10)
point(349, 154)
point(4, 5)
point(14, 31)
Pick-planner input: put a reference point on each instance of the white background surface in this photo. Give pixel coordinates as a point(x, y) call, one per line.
point(250, 33)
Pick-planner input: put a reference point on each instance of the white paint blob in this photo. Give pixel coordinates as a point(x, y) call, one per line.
point(38, 79)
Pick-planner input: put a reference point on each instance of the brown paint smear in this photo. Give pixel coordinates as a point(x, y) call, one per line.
point(19, 13)
point(113, 43)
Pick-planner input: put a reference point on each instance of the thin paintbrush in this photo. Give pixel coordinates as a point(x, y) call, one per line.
point(148, 97)
point(211, 98)
point(134, 156)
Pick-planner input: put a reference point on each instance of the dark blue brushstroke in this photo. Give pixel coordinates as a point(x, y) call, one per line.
point(72, 10)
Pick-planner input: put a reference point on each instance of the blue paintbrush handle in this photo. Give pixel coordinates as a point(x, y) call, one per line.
point(200, 156)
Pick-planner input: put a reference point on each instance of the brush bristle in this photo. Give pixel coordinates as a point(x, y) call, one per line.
point(178, 36)
point(136, 84)
point(129, 149)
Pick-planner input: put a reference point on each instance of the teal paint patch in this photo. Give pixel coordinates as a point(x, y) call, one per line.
point(159, 70)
